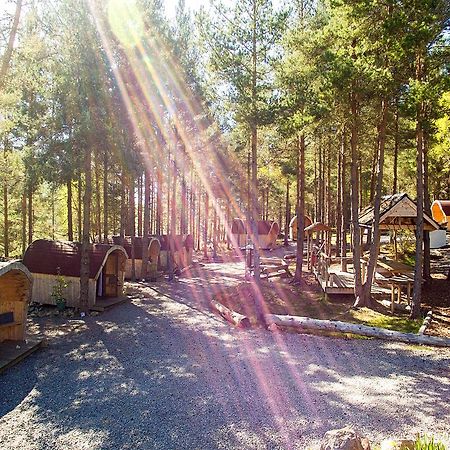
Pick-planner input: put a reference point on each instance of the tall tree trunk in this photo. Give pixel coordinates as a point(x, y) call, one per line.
point(215, 228)
point(254, 166)
point(123, 207)
point(79, 206)
point(300, 207)
point(199, 216)
point(139, 208)
point(205, 228)
point(5, 206)
point(344, 202)
point(159, 202)
point(427, 208)
point(183, 211)
point(355, 199)
point(366, 299)
point(98, 212)
point(24, 221)
point(85, 244)
point(396, 148)
point(339, 188)
point(287, 216)
point(69, 210)
point(418, 269)
point(173, 224)
point(10, 46)
point(30, 214)
point(329, 216)
point(152, 206)
point(132, 225)
point(105, 196)
point(145, 238)
point(53, 213)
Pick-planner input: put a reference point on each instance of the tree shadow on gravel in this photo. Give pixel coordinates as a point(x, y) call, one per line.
point(158, 373)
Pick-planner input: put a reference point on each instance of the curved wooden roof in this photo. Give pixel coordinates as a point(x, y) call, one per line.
point(440, 209)
point(64, 258)
point(8, 266)
point(293, 222)
point(239, 226)
point(179, 241)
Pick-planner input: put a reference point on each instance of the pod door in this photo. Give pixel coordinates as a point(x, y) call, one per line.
point(110, 276)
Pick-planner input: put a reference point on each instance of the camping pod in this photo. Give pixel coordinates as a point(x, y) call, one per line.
point(293, 227)
point(48, 261)
point(440, 210)
point(267, 233)
point(181, 247)
point(15, 294)
point(153, 250)
point(238, 233)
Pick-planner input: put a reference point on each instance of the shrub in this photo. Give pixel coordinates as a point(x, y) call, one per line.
point(58, 291)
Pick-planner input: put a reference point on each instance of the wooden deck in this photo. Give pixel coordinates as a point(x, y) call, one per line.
point(339, 283)
point(105, 303)
point(12, 352)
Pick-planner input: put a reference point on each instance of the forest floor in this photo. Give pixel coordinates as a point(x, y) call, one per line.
point(307, 299)
point(162, 372)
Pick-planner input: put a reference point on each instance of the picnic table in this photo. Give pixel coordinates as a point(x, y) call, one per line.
point(395, 267)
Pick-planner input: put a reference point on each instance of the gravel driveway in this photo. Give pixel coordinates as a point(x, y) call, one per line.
point(161, 372)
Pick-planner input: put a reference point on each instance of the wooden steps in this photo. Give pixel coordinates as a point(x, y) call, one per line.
point(12, 352)
point(102, 304)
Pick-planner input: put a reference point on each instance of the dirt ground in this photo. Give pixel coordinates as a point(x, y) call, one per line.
point(282, 297)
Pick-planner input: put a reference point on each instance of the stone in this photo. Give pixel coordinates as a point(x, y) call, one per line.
point(397, 444)
point(344, 439)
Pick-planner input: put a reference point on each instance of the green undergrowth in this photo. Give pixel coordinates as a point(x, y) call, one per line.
point(421, 443)
point(377, 319)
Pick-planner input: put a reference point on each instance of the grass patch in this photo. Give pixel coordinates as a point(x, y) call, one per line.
point(378, 319)
point(284, 299)
point(426, 443)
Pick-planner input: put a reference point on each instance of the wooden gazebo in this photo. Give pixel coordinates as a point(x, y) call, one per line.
point(397, 212)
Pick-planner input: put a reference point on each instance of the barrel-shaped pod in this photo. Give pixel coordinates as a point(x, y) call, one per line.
point(440, 210)
point(188, 250)
point(15, 295)
point(293, 226)
point(54, 263)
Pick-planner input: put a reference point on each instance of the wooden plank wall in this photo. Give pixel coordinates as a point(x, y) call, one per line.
point(14, 294)
point(43, 284)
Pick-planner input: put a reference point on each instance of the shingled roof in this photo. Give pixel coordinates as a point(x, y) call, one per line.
point(396, 212)
point(64, 258)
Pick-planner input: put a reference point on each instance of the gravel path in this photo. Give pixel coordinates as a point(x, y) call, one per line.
point(161, 372)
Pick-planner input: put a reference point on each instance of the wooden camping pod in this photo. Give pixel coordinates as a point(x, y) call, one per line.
point(268, 231)
point(182, 248)
point(293, 227)
point(15, 293)
point(153, 249)
point(440, 210)
point(47, 260)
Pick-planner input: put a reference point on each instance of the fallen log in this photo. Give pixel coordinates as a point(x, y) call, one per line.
point(228, 314)
point(426, 322)
point(307, 324)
